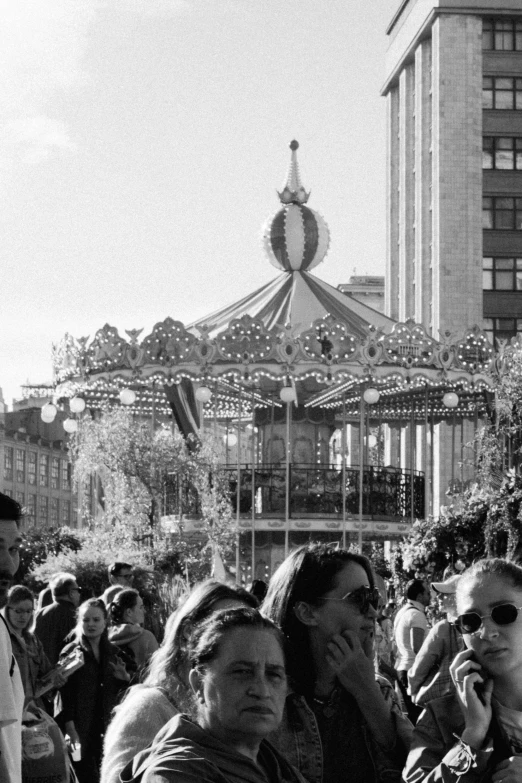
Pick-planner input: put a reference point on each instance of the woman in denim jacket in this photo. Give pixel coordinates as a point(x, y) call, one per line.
point(342, 722)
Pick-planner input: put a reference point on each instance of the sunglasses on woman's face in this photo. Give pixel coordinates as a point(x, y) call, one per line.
point(505, 614)
point(361, 598)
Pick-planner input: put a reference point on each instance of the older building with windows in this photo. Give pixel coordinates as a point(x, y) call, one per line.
point(35, 468)
point(454, 93)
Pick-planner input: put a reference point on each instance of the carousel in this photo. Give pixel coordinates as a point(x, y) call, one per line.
point(337, 423)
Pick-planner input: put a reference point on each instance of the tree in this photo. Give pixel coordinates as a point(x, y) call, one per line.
point(486, 520)
point(137, 466)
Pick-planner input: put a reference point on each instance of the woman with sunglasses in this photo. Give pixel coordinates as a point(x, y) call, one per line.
point(342, 721)
point(475, 734)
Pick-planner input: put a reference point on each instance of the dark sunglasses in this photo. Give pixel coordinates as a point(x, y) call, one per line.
point(362, 598)
point(505, 614)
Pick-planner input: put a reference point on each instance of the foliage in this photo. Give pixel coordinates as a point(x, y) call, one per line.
point(133, 462)
point(487, 519)
point(40, 544)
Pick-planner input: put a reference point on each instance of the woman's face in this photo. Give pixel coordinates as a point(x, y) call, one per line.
point(136, 614)
point(242, 692)
point(20, 614)
point(498, 648)
point(335, 616)
point(93, 622)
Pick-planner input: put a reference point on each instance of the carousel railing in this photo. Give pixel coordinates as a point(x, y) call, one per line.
point(314, 490)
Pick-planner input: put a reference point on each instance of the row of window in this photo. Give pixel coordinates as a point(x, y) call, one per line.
point(502, 328)
point(502, 213)
point(41, 510)
point(501, 274)
point(502, 153)
point(502, 92)
point(45, 471)
point(503, 35)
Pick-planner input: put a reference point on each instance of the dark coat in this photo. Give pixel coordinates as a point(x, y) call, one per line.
point(52, 624)
point(92, 691)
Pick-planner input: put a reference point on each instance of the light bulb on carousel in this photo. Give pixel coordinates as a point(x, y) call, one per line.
point(230, 440)
point(371, 396)
point(127, 397)
point(450, 400)
point(77, 404)
point(48, 413)
point(203, 394)
point(70, 425)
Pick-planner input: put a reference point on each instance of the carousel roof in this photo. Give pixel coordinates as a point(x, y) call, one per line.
point(295, 330)
point(296, 299)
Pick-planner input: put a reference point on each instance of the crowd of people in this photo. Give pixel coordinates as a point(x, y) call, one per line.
point(323, 681)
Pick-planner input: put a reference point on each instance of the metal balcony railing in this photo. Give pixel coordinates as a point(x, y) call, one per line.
point(314, 491)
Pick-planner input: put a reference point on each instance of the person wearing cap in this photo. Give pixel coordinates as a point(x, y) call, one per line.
point(429, 678)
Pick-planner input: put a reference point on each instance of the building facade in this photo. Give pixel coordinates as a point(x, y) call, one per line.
point(35, 468)
point(454, 94)
point(454, 179)
point(368, 289)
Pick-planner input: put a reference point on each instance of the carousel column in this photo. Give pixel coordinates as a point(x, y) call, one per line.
point(238, 488)
point(253, 485)
point(343, 479)
point(361, 472)
point(287, 465)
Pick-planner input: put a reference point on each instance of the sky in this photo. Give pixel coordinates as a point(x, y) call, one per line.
point(141, 146)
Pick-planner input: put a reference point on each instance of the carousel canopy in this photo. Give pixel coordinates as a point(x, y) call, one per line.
point(294, 331)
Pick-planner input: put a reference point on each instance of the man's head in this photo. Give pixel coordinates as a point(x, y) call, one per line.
point(10, 542)
point(417, 590)
point(65, 588)
point(120, 574)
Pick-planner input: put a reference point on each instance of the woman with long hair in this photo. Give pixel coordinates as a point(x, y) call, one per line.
point(239, 685)
point(36, 670)
point(163, 693)
point(475, 733)
point(92, 691)
point(342, 721)
point(127, 615)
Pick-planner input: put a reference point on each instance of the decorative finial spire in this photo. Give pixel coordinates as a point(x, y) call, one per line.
point(293, 192)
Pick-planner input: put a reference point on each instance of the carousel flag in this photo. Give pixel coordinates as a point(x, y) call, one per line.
point(184, 408)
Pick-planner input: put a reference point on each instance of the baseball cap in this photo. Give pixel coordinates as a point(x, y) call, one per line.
point(448, 587)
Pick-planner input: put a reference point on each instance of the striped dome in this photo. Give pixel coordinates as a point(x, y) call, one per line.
point(296, 239)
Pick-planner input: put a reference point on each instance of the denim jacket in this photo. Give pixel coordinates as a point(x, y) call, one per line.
point(299, 740)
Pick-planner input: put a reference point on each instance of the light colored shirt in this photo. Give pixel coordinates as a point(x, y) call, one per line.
point(409, 616)
point(11, 709)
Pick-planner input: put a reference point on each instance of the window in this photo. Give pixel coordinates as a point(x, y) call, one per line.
point(8, 463)
point(502, 153)
point(501, 92)
point(66, 474)
point(502, 328)
point(55, 473)
point(8, 492)
point(502, 213)
point(44, 470)
point(55, 512)
point(31, 467)
point(43, 510)
point(503, 35)
point(20, 466)
point(31, 509)
point(66, 512)
point(502, 274)
point(20, 498)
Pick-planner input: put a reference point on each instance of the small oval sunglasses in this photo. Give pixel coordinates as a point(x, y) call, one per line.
point(504, 614)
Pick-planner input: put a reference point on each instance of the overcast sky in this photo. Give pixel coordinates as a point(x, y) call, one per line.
point(141, 145)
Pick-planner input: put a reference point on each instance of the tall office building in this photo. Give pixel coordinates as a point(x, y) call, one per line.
point(454, 95)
